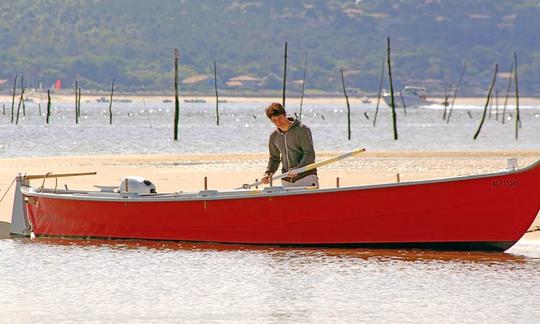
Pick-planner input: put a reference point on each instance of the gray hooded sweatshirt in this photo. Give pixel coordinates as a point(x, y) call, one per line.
point(293, 148)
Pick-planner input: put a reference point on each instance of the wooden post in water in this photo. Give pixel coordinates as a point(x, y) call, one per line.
point(490, 107)
point(13, 97)
point(508, 86)
point(146, 113)
point(455, 91)
point(217, 95)
point(303, 87)
point(22, 96)
point(445, 102)
point(205, 183)
point(176, 102)
point(20, 101)
point(518, 118)
point(393, 105)
point(110, 102)
point(76, 103)
point(348, 106)
point(380, 89)
point(403, 103)
point(79, 104)
point(284, 76)
point(48, 105)
point(487, 102)
point(496, 105)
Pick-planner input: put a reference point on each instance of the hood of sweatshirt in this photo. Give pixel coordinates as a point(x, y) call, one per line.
point(294, 122)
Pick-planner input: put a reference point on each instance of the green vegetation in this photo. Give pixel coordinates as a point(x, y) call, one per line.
point(132, 41)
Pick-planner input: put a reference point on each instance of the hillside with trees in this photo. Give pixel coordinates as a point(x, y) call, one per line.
point(133, 41)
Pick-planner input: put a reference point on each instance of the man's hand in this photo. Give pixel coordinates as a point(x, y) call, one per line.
point(266, 178)
point(292, 173)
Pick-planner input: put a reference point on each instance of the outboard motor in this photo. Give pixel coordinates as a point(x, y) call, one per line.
point(136, 184)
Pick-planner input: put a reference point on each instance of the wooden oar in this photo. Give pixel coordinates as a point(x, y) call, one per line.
point(307, 167)
point(57, 175)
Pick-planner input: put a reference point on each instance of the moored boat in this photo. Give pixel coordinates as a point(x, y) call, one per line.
point(481, 212)
point(195, 100)
point(411, 97)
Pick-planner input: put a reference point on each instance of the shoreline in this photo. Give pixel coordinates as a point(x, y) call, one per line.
point(67, 98)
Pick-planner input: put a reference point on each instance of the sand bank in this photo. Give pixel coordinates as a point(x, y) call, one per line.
point(173, 173)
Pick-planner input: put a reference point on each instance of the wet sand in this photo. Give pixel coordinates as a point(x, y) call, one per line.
point(172, 173)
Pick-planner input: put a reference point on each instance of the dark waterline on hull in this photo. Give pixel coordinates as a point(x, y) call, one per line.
point(498, 246)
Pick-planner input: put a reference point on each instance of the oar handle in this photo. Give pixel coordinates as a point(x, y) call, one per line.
point(276, 177)
point(307, 167)
point(56, 175)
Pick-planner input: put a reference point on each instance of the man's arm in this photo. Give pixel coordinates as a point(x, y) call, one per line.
point(274, 159)
point(306, 142)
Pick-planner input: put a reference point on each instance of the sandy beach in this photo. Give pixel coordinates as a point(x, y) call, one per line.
point(173, 173)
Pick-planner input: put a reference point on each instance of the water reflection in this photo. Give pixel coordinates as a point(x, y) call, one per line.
point(65, 280)
point(380, 255)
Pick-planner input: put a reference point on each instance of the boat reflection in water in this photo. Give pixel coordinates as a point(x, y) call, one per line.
point(319, 253)
point(201, 282)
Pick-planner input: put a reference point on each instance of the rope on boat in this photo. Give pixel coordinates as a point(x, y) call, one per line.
point(7, 190)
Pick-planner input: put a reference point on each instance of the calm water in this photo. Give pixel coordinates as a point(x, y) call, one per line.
point(139, 282)
point(140, 128)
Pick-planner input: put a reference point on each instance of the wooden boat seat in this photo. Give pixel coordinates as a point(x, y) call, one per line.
point(208, 193)
point(273, 189)
point(106, 188)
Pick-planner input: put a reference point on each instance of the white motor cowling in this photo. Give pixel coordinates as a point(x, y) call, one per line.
point(136, 184)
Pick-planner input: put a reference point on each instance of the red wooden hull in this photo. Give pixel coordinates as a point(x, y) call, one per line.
point(483, 212)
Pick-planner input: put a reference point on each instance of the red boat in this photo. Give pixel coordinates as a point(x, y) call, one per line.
point(482, 212)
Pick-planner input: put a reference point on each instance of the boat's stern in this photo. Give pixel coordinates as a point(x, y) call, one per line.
point(20, 223)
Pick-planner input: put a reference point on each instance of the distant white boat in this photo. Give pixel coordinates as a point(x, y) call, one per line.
point(365, 99)
point(413, 97)
point(103, 99)
point(195, 100)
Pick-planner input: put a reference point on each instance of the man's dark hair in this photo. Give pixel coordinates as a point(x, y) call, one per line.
point(275, 109)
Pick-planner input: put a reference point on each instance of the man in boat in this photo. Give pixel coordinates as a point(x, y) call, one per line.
point(292, 145)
